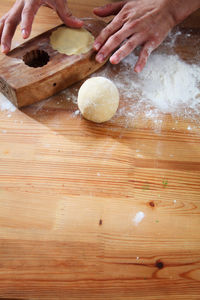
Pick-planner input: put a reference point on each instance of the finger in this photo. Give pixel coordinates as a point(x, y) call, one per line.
point(144, 54)
point(70, 20)
point(66, 15)
point(2, 22)
point(28, 14)
point(108, 31)
point(112, 43)
point(127, 48)
point(109, 9)
point(8, 31)
point(9, 23)
point(1, 28)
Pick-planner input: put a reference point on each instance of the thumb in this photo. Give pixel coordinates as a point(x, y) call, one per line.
point(70, 20)
point(67, 17)
point(109, 9)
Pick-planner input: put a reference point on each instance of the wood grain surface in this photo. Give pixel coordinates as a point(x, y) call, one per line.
point(70, 192)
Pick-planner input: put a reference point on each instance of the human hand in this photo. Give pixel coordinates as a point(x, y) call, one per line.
point(24, 11)
point(143, 23)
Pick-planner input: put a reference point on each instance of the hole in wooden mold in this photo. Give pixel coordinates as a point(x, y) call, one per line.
point(36, 58)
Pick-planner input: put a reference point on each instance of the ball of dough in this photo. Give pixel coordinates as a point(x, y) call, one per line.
point(98, 99)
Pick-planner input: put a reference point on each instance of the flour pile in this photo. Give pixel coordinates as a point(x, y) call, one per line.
point(168, 82)
point(166, 85)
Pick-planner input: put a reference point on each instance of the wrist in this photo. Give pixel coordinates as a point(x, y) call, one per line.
point(181, 9)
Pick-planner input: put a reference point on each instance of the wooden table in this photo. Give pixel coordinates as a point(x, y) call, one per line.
point(70, 191)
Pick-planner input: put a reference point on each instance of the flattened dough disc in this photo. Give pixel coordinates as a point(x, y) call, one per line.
point(71, 41)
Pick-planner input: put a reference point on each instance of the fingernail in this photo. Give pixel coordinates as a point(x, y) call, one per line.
point(100, 58)
point(24, 33)
point(97, 46)
point(4, 48)
point(77, 20)
point(114, 59)
point(80, 21)
point(137, 69)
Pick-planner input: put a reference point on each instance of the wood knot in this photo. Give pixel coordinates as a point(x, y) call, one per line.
point(100, 222)
point(159, 264)
point(152, 204)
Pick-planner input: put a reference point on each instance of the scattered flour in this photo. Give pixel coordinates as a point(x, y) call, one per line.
point(71, 94)
point(168, 82)
point(172, 38)
point(167, 85)
point(77, 112)
point(5, 104)
point(138, 217)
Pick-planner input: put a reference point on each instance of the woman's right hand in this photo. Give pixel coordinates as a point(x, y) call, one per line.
point(24, 11)
point(136, 23)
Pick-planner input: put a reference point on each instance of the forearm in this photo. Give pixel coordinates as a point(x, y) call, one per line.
point(181, 9)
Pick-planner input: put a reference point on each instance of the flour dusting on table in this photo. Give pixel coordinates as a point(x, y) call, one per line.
point(166, 85)
point(138, 218)
point(5, 104)
point(167, 82)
